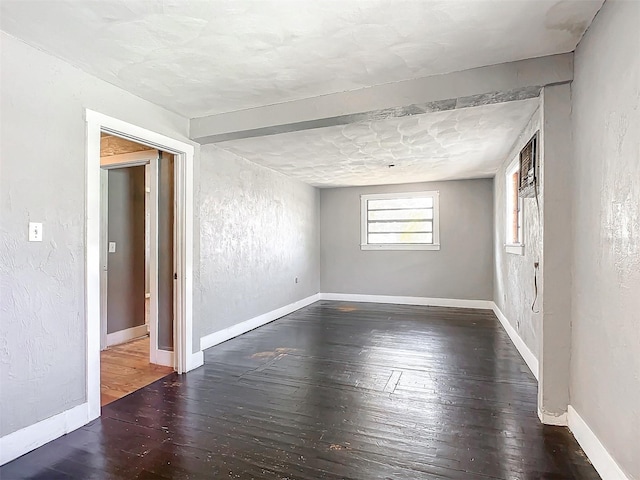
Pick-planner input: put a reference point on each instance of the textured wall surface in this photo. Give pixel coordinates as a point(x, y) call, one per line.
point(605, 360)
point(461, 269)
point(259, 231)
point(288, 51)
point(42, 179)
point(446, 145)
point(513, 284)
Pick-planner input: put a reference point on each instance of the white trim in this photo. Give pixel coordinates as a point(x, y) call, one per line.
point(551, 419)
point(600, 458)
point(513, 167)
point(398, 246)
point(433, 302)
point(153, 261)
point(255, 322)
point(138, 134)
point(165, 357)
point(29, 438)
point(364, 241)
point(515, 249)
point(92, 265)
point(527, 355)
point(195, 360)
point(95, 122)
point(104, 256)
point(128, 159)
point(125, 335)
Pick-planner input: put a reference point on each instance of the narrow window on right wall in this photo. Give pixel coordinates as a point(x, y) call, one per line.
point(514, 220)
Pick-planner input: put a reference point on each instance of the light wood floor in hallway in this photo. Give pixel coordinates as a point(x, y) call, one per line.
point(125, 368)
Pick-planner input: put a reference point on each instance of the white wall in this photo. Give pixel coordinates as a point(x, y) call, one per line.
point(513, 283)
point(42, 179)
point(605, 355)
point(461, 269)
point(259, 231)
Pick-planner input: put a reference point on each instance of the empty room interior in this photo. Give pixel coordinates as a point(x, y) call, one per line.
point(302, 239)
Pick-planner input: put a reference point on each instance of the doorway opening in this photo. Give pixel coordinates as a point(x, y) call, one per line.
point(184, 358)
point(137, 291)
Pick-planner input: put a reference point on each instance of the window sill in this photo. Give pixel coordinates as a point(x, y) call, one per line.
point(400, 247)
point(515, 249)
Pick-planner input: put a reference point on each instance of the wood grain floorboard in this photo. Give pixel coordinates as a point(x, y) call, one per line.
point(125, 368)
point(333, 391)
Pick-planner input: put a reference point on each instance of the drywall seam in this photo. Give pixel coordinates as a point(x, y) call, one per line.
point(29, 438)
point(600, 458)
point(526, 354)
point(125, 335)
point(398, 300)
point(255, 322)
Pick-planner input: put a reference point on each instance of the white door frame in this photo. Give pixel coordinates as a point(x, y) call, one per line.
point(146, 157)
point(156, 355)
point(104, 240)
point(184, 152)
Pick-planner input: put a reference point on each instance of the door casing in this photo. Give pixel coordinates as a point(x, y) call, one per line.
point(185, 359)
point(150, 157)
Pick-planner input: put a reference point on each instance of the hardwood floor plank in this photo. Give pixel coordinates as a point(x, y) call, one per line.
point(333, 391)
point(125, 368)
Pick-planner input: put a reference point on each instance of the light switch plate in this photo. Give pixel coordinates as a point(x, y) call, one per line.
point(35, 232)
point(112, 247)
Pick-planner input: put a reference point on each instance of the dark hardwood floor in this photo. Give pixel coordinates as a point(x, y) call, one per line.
point(335, 390)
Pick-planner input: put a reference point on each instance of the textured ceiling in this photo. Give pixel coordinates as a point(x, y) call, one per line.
point(454, 144)
point(202, 57)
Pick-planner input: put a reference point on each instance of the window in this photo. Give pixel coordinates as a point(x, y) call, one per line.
point(400, 221)
point(514, 233)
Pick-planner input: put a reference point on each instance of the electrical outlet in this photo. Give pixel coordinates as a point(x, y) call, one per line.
point(112, 247)
point(35, 232)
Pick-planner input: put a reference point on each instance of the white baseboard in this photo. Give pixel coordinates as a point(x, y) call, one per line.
point(255, 322)
point(528, 356)
point(195, 360)
point(165, 358)
point(549, 419)
point(432, 302)
point(125, 335)
point(601, 460)
point(29, 438)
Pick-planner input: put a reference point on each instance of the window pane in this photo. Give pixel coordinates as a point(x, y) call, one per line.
point(400, 227)
point(386, 238)
point(424, 202)
point(409, 214)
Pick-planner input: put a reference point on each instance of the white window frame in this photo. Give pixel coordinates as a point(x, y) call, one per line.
point(511, 247)
point(364, 245)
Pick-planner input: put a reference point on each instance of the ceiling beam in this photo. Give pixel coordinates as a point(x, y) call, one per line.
point(477, 86)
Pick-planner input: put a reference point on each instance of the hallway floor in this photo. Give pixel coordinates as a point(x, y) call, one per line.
point(125, 368)
point(335, 390)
